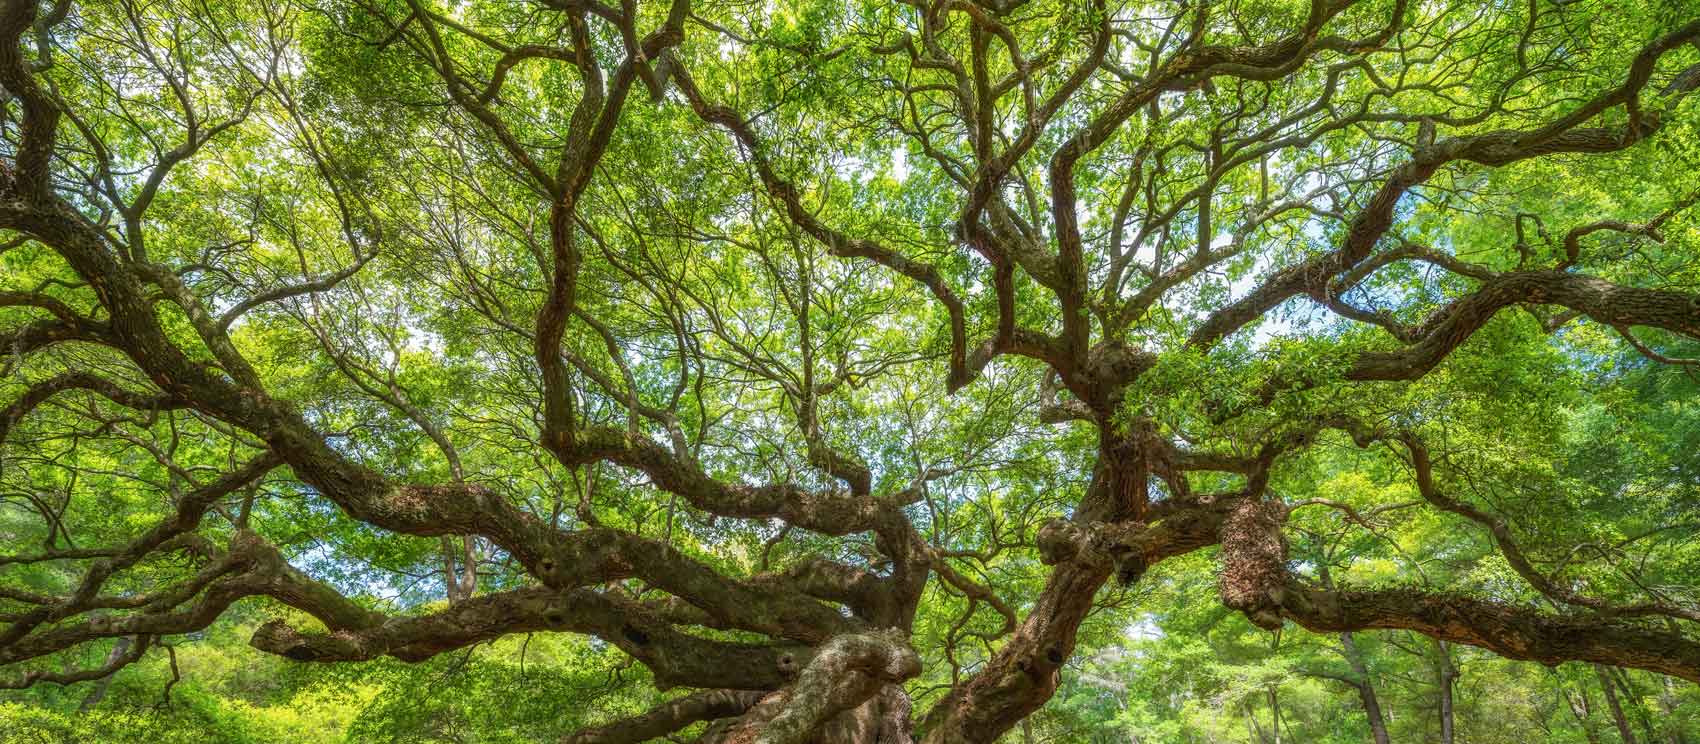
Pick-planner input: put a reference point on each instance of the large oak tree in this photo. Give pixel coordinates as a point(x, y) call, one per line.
point(837, 361)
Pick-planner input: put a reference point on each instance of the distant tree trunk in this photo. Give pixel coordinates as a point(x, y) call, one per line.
point(1584, 715)
point(119, 648)
point(1254, 726)
point(1360, 670)
point(1667, 701)
point(1612, 703)
point(1582, 711)
point(460, 581)
point(469, 566)
point(1275, 714)
point(1366, 689)
point(1445, 674)
point(1633, 701)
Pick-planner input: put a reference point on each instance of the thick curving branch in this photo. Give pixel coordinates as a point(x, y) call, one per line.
point(668, 717)
point(676, 658)
point(1510, 631)
point(40, 392)
point(27, 178)
point(1603, 301)
point(186, 518)
point(1023, 674)
point(249, 567)
point(122, 656)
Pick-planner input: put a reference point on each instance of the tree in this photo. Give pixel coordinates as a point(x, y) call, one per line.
point(866, 344)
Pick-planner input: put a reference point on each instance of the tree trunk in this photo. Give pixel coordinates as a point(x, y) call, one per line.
point(1445, 674)
point(1360, 670)
point(851, 692)
point(1583, 713)
point(1616, 707)
point(1634, 702)
point(460, 579)
point(1254, 726)
point(451, 576)
point(1667, 701)
point(119, 648)
point(1366, 689)
point(1022, 676)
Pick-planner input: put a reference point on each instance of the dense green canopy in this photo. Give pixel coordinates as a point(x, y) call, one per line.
point(872, 371)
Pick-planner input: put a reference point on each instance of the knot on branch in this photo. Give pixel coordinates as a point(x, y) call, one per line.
point(1122, 546)
point(1059, 540)
point(277, 637)
point(1254, 558)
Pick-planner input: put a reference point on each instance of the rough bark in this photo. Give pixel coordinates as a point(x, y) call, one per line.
point(844, 695)
point(1254, 557)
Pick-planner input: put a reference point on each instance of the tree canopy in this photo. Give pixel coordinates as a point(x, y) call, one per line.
point(858, 371)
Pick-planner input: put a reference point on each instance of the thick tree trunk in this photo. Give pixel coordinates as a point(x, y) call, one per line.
point(1022, 675)
point(1616, 707)
point(883, 719)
